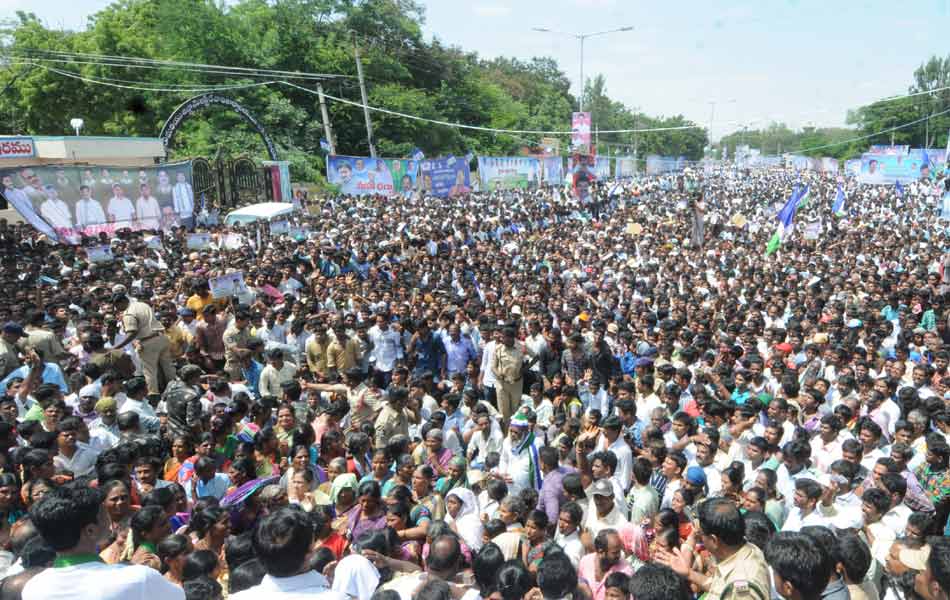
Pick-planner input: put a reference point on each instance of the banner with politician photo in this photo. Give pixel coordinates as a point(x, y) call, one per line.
point(449, 176)
point(553, 170)
point(361, 176)
point(508, 172)
point(67, 202)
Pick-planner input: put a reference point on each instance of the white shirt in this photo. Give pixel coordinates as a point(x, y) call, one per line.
point(149, 213)
point(184, 200)
point(896, 519)
point(517, 466)
point(306, 586)
point(488, 354)
point(387, 348)
point(99, 581)
point(89, 212)
point(56, 212)
point(82, 463)
point(571, 545)
point(121, 210)
point(624, 470)
point(795, 521)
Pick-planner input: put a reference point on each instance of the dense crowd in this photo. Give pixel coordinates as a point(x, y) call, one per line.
point(507, 395)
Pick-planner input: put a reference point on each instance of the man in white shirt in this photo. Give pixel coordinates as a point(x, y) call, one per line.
point(73, 522)
point(88, 210)
point(282, 542)
point(147, 209)
point(183, 198)
point(78, 459)
point(804, 514)
point(387, 347)
point(277, 372)
point(55, 211)
point(135, 391)
point(121, 211)
point(612, 440)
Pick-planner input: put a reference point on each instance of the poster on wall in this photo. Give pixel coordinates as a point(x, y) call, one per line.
point(449, 176)
point(508, 172)
point(66, 202)
point(361, 176)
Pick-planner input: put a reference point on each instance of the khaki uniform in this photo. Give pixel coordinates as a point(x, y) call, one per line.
point(317, 357)
point(46, 344)
point(389, 423)
point(742, 576)
point(234, 338)
point(178, 338)
point(506, 367)
point(9, 358)
point(154, 352)
point(343, 355)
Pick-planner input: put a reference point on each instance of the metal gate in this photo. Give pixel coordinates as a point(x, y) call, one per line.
point(228, 183)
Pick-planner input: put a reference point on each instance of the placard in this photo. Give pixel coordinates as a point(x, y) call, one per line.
point(198, 241)
point(225, 286)
point(279, 227)
point(98, 254)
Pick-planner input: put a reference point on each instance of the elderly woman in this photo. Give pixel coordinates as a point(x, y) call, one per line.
point(343, 495)
point(436, 455)
point(462, 516)
point(455, 478)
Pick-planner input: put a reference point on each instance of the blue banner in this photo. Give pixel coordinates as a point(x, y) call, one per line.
point(553, 170)
point(596, 166)
point(626, 166)
point(360, 176)
point(508, 172)
point(888, 169)
point(448, 176)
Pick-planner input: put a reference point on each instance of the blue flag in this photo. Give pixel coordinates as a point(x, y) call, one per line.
point(785, 217)
point(838, 206)
point(417, 154)
point(325, 145)
point(899, 189)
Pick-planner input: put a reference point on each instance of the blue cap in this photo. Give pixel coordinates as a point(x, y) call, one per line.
point(696, 476)
point(642, 362)
point(14, 328)
point(185, 312)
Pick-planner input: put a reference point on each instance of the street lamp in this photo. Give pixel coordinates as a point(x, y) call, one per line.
point(581, 37)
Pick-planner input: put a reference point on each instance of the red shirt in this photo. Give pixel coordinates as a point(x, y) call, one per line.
point(336, 543)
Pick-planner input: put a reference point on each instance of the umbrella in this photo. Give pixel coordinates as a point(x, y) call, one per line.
point(238, 496)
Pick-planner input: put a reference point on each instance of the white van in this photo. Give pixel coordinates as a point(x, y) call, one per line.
point(264, 211)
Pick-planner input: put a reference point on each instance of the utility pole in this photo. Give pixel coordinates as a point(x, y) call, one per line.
point(359, 74)
point(327, 131)
point(636, 138)
point(581, 99)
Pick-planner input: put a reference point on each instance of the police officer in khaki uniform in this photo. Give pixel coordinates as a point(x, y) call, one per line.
point(394, 417)
point(140, 325)
point(506, 367)
point(9, 354)
point(236, 338)
point(46, 343)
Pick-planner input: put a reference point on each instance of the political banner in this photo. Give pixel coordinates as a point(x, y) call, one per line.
point(580, 132)
point(852, 167)
point(596, 166)
point(360, 176)
point(625, 166)
point(829, 165)
point(508, 172)
point(65, 203)
point(449, 176)
point(227, 285)
point(553, 170)
point(658, 165)
point(888, 169)
point(885, 150)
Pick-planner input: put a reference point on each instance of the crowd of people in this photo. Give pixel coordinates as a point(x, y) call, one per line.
point(491, 396)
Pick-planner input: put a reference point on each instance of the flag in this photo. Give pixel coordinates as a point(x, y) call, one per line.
point(899, 189)
point(325, 145)
point(785, 217)
point(804, 198)
point(417, 154)
point(469, 156)
point(838, 207)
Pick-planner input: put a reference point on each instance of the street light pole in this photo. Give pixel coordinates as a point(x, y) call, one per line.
point(581, 37)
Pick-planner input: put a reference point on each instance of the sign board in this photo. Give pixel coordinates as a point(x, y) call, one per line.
point(17, 147)
point(227, 285)
point(198, 241)
point(99, 254)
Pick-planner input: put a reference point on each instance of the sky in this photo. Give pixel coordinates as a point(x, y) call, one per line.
point(728, 63)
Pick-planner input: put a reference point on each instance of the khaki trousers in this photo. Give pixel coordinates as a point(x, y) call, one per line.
point(156, 357)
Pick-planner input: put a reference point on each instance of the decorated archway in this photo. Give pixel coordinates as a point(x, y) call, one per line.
point(204, 100)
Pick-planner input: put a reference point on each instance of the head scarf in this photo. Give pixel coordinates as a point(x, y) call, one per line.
point(342, 481)
point(467, 523)
point(105, 404)
point(356, 577)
